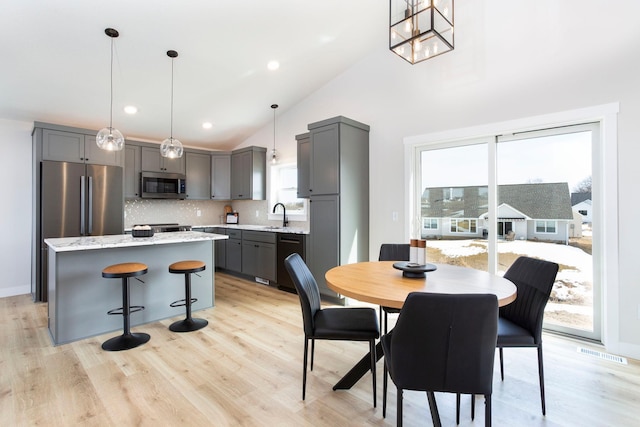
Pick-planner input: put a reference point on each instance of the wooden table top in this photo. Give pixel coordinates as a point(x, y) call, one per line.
point(378, 282)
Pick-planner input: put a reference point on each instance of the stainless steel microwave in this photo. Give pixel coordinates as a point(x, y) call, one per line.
point(160, 185)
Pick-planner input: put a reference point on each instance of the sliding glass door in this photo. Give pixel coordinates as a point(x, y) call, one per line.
point(483, 203)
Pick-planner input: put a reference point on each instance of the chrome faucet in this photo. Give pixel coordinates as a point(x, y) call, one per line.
point(284, 213)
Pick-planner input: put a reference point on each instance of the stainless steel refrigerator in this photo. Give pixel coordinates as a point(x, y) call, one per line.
point(77, 200)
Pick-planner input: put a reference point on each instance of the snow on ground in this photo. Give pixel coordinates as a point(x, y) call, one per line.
point(573, 283)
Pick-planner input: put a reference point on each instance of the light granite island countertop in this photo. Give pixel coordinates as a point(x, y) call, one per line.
point(79, 297)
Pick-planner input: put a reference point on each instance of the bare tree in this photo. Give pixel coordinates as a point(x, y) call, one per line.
point(583, 186)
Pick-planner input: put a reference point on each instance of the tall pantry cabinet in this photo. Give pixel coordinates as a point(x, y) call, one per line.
point(333, 162)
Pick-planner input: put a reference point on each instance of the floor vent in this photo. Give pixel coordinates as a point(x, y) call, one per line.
point(601, 355)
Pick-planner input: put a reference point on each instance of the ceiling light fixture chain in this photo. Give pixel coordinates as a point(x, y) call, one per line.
point(108, 138)
point(274, 153)
point(171, 147)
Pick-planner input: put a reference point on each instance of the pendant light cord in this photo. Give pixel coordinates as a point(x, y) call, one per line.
point(111, 91)
point(171, 133)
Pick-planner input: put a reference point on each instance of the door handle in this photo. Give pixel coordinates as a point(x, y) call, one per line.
point(90, 205)
point(82, 204)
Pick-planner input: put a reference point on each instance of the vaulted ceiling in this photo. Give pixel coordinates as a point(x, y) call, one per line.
point(56, 61)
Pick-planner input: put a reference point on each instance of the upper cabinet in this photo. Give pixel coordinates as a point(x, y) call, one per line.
point(198, 167)
point(131, 170)
point(248, 173)
point(63, 146)
point(221, 176)
point(152, 161)
point(304, 165)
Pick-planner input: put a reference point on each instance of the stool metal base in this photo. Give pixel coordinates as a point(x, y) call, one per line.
point(125, 341)
point(188, 325)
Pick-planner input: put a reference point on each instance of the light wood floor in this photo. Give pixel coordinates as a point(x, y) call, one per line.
point(245, 368)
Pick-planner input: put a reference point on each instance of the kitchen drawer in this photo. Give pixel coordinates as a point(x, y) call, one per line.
point(259, 236)
point(234, 234)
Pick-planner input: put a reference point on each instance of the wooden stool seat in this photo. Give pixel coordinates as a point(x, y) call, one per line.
point(187, 268)
point(127, 269)
point(127, 340)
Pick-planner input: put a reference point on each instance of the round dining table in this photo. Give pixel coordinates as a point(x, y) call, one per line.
point(379, 282)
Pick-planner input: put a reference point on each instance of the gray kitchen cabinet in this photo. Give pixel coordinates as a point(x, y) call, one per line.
point(198, 168)
point(76, 147)
point(248, 173)
point(339, 196)
point(234, 251)
point(304, 165)
point(221, 176)
point(131, 171)
point(259, 254)
point(220, 248)
point(152, 161)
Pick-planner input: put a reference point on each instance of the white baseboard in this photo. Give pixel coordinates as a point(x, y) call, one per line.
point(17, 290)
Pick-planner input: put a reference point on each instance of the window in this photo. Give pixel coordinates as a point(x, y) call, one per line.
point(430, 223)
point(284, 189)
point(545, 227)
point(464, 225)
point(582, 212)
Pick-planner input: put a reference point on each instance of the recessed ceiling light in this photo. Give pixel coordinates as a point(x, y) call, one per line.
point(207, 125)
point(273, 65)
point(130, 109)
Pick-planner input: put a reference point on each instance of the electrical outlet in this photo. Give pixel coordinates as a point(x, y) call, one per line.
point(257, 214)
point(638, 311)
point(199, 212)
point(394, 216)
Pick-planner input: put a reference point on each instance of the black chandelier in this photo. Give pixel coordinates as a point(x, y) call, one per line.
point(420, 29)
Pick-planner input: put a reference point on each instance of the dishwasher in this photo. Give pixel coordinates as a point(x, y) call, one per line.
point(287, 244)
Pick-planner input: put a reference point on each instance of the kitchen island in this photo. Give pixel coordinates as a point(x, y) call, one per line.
point(79, 297)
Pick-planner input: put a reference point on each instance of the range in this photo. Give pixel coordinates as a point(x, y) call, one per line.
point(165, 228)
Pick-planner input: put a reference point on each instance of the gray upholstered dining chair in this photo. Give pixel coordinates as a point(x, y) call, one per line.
point(392, 252)
point(345, 324)
point(442, 343)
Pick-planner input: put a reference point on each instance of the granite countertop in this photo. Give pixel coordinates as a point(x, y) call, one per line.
point(269, 228)
point(68, 244)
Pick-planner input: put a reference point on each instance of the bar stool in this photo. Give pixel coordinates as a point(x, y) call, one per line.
point(127, 340)
point(188, 324)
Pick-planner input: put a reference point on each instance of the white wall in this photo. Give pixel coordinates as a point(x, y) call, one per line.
point(15, 250)
point(545, 57)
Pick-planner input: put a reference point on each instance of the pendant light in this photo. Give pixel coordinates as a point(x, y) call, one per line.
point(171, 147)
point(274, 153)
point(110, 139)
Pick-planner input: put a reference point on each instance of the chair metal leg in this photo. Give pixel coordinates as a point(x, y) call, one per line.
point(399, 410)
point(386, 322)
point(374, 359)
point(541, 377)
point(487, 410)
point(384, 391)
point(473, 406)
point(435, 416)
point(313, 348)
point(304, 371)
point(501, 365)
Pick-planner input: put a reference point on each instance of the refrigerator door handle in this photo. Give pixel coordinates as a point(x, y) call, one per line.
point(90, 207)
point(82, 204)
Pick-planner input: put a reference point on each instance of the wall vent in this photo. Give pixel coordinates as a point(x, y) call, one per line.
point(601, 355)
point(261, 280)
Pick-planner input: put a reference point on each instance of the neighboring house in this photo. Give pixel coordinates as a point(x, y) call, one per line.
point(581, 203)
point(525, 212)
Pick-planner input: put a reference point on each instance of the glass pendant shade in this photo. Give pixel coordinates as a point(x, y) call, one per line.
point(110, 139)
point(171, 148)
point(420, 29)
